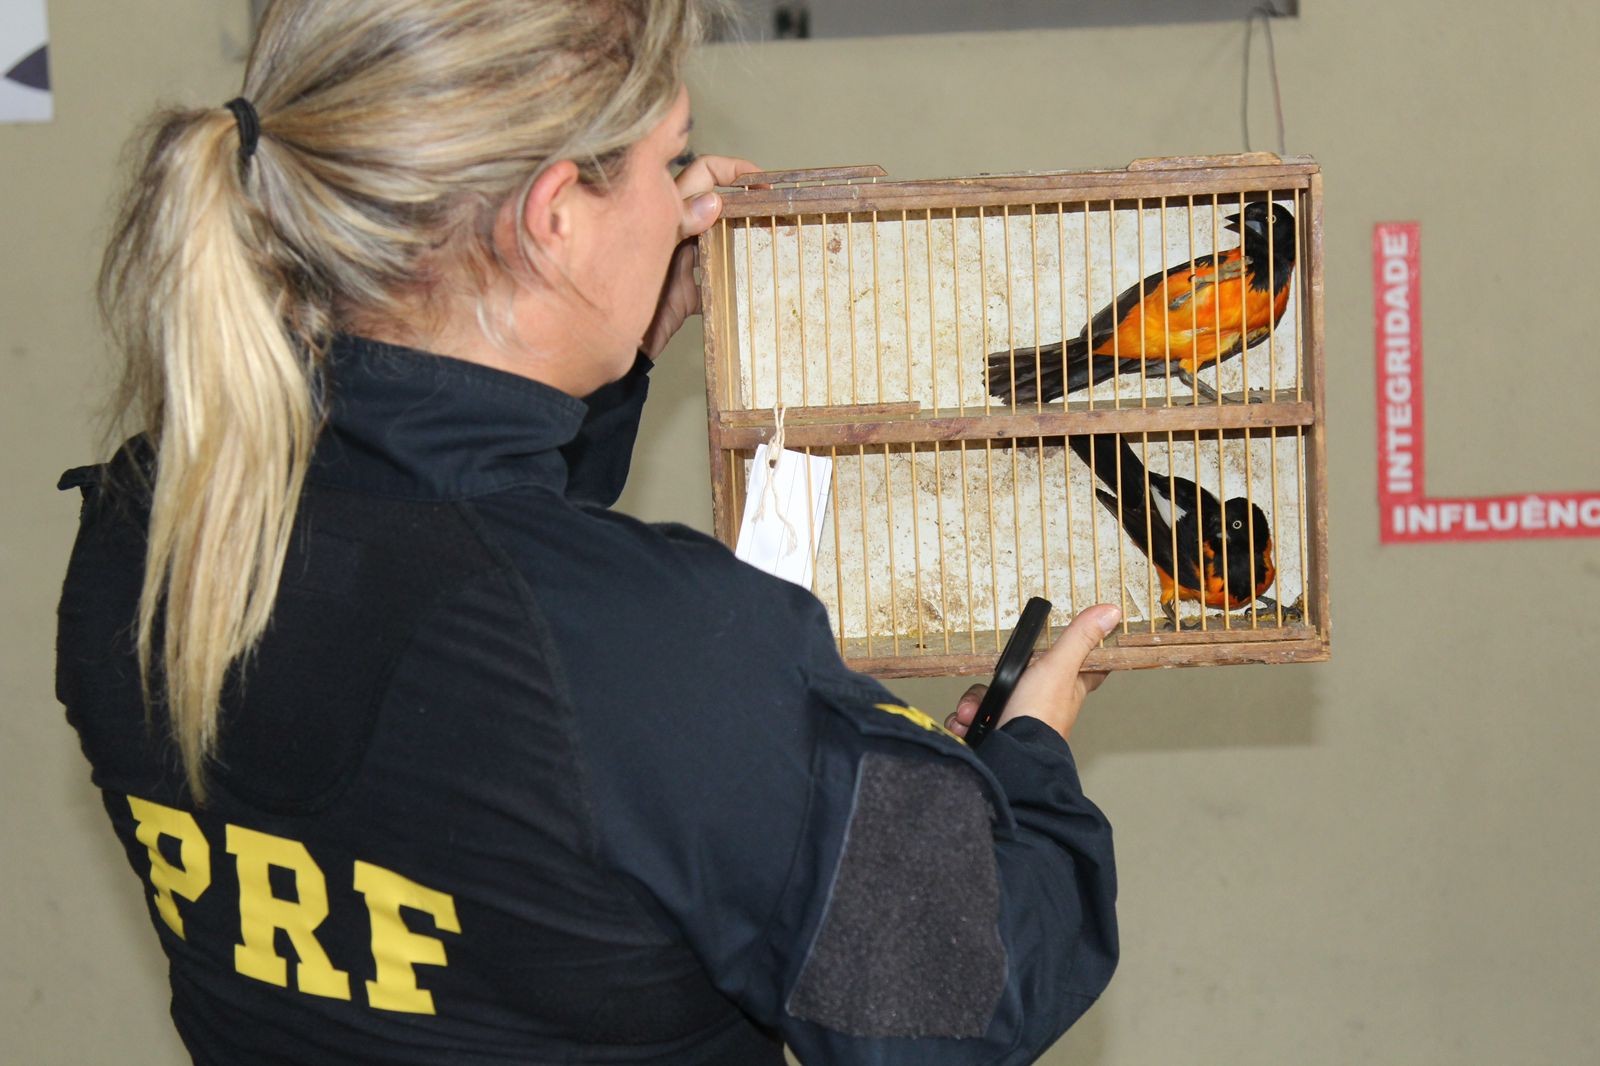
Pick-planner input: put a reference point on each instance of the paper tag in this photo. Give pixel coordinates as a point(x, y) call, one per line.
point(782, 525)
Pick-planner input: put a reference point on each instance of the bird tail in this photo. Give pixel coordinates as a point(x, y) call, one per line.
point(1127, 493)
point(1017, 376)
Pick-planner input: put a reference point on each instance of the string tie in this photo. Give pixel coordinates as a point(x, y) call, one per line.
point(774, 453)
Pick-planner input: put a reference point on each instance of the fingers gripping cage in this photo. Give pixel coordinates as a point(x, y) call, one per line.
point(1095, 386)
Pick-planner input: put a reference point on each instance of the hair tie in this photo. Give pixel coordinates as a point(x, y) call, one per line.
point(244, 113)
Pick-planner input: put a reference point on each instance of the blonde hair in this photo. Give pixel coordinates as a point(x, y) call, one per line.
point(392, 132)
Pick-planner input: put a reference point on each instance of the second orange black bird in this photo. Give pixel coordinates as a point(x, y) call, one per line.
point(1187, 317)
point(1219, 554)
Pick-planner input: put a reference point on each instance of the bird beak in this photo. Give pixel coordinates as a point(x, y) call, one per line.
point(1239, 224)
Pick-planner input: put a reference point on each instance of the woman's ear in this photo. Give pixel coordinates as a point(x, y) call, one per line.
point(549, 212)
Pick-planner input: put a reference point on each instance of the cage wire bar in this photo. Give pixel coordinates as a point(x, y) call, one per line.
point(868, 312)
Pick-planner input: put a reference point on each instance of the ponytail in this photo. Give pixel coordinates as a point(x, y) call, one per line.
point(226, 391)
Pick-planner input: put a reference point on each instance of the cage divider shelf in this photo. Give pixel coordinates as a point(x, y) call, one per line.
point(1023, 427)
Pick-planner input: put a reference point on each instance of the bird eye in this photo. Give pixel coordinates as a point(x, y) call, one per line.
point(1238, 524)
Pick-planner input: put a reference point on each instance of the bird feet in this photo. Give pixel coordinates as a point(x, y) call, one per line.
point(1266, 605)
point(1200, 388)
point(1262, 614)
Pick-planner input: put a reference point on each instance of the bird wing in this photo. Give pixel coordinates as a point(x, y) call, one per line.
point(1187, 497)
point(1130, 494)
point(1233, 268)
point(1110, 317)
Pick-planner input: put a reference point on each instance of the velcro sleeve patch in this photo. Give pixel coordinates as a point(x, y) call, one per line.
point(909, 945)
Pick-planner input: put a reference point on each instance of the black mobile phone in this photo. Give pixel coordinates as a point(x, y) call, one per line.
point(1014, 660)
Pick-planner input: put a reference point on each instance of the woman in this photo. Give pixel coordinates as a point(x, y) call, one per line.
point(423, 754)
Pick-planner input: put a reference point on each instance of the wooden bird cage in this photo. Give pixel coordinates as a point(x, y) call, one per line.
point(868, 313)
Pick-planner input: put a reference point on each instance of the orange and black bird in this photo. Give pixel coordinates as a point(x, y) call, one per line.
point(1201, 548)
point(1187, 316)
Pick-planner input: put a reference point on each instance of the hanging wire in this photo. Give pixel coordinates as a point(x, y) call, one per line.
point(1266, 12)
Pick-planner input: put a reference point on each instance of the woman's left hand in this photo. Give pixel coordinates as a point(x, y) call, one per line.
point(680, 296)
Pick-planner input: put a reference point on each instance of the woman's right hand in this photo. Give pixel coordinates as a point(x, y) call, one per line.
point(1053, 688)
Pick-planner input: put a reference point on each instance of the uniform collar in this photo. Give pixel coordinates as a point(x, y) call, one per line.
point(408, 423)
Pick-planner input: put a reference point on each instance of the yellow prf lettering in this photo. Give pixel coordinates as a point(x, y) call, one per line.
point(261, 913)
point(396, 949)
point(189, 880)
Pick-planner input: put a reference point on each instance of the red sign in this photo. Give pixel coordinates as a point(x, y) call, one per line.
point(1406, 514)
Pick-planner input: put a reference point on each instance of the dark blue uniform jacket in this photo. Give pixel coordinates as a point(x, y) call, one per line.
point(514, 778)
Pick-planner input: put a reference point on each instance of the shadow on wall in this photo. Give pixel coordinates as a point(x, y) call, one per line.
point(768, 20)
point(1199, 709)
point(1181, 710)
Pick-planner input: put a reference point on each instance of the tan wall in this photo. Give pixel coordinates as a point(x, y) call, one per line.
point(1391, 858)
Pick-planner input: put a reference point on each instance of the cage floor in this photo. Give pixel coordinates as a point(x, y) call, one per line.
point(1133, 646)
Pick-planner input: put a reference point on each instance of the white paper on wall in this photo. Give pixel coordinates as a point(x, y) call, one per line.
point(24, 62)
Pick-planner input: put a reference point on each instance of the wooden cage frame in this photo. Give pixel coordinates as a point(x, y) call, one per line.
point(856, 193)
